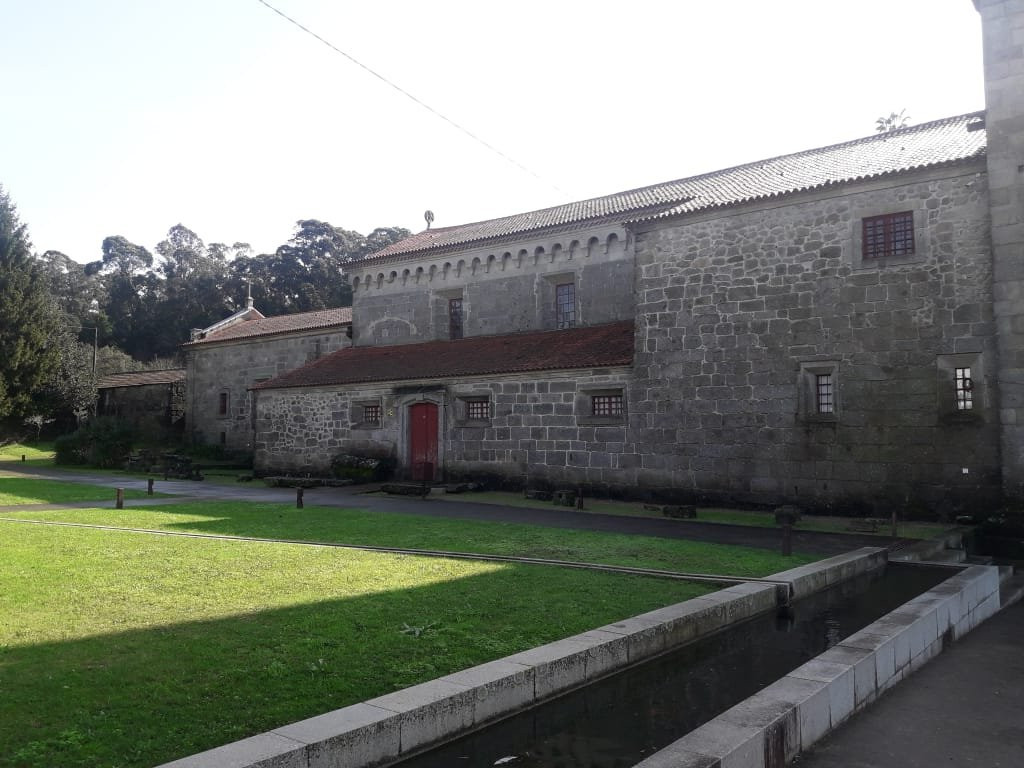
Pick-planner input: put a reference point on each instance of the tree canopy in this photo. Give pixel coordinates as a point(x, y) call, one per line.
point(29, 322)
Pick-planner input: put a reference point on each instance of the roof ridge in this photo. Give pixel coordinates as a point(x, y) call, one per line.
point(679, 191)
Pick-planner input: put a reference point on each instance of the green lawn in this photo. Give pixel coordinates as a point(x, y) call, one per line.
point(361, 527)
point(750, 517)
point(29, 490)
point(40, 454)
point(127, 649)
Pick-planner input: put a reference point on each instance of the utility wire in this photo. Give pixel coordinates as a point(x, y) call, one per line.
point(408, 95)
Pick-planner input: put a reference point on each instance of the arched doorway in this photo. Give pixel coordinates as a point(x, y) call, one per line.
point(423, 441)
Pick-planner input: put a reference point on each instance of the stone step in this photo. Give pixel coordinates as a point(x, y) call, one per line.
point(978, 560)
point(948, 556)
point(1011, 589)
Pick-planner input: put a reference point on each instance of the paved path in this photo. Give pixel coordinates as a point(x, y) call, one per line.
point(964, 708)
point(811, 542)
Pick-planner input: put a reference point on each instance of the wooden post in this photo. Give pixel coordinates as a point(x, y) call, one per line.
point(23, 458)
point(149, 486)
point(298, 498)
point(787, 539)
point(119, 504)
point(579, 498)
point(895, 528)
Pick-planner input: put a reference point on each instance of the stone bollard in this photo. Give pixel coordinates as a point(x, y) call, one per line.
point(149, 486)
point(298, 498)
point(119, 503)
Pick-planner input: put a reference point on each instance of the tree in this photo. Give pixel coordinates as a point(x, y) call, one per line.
point(29, 321)
point(893, 122)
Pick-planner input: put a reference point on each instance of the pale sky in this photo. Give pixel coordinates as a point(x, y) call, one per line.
point(126, 117)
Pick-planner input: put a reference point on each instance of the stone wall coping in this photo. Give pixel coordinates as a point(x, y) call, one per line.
point(791, 714)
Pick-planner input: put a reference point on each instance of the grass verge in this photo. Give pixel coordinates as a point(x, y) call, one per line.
point(748, 517)
point(29, 490)
point(125, 649)
point(361, 527)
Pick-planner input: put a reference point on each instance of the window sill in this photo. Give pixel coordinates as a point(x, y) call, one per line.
point(366, 426)
point(600, 421)
point(820, 418)
point(473, 423)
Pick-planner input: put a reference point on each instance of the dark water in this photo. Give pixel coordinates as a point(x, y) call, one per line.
point(617, 722)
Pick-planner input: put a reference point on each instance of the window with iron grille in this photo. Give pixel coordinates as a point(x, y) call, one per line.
point(371, 414)
point(824, 395)
point(478, 410)
point(565, 305)
point(222, 404)
point(454, 318)
point(606, 405)
point(891, 234)
point(964, 389)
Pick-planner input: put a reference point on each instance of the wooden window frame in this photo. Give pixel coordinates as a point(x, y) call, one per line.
point(608, 405)
point(473, 410)
point(601, 407)
point(887, 236)
point(565, 305)
point(362, 409)
point(963, 384)
point(818, 392)
point(456, 319)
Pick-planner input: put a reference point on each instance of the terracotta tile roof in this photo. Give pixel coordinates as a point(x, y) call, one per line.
point(141, 378)
point(939, 142)
point(593, 347)
point(267, 326)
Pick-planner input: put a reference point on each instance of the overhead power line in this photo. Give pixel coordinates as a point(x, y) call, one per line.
point(408, 95)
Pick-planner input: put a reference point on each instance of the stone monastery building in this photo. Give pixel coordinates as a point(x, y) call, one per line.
point(842, 328)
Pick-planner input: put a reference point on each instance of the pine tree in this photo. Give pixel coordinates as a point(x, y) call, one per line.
point(29, 323)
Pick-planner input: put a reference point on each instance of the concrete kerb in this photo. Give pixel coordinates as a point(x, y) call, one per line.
point(770, 728)
point(397, 724)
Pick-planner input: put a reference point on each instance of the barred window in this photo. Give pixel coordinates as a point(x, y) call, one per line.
point(824, 395)
point(964, 389)
point(891, 234)
point(478, 410)
point(565, 305)
point(371, 414)
point(606, 405)
point(454, 318)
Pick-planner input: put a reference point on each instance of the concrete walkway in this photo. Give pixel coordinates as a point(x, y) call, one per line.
point(964, 708)
point(810, 542)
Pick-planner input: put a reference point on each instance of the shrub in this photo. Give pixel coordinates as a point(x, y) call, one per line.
point(102, 443)
point(364, 469)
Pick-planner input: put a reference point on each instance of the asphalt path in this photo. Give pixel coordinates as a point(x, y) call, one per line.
point(810, 542)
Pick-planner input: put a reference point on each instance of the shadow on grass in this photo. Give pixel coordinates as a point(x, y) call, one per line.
point(362, 527)
point(145, 696)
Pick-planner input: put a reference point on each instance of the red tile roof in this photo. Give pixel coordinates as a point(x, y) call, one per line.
point(940, 142)
point(267, 326)
point(594, 347)
point(141, 378)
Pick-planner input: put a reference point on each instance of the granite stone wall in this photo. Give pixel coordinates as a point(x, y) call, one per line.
point(232, 368)
point(508, 288)
point(539, 430)
point(1003, 28)
point(738, 312)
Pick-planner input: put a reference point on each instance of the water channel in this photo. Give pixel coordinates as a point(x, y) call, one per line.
point(618, 721)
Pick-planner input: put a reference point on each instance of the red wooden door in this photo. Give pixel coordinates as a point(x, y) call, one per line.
point(423, 441)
